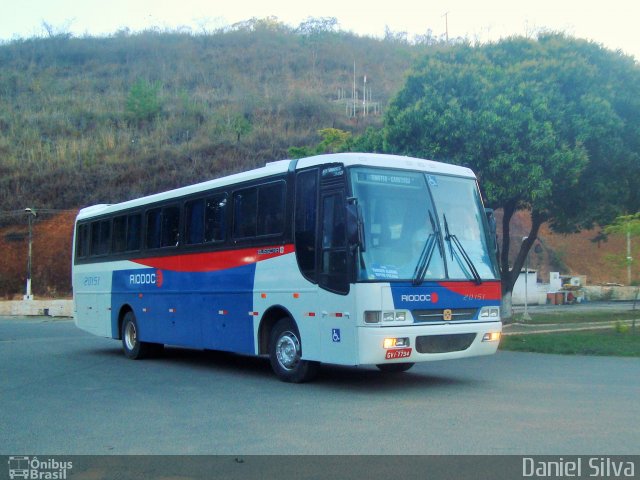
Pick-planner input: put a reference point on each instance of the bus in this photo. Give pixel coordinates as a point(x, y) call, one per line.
point(349, 259)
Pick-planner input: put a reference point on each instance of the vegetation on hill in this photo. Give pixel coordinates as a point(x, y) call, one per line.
point(93, 120)
point(102, 120)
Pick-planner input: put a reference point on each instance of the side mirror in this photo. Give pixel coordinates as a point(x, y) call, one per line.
point(493, 232)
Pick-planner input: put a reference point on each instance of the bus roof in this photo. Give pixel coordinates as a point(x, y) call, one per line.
point(282, 166)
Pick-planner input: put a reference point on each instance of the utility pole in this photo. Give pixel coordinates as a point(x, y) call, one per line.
point(629, 257)
point(31, 213)
point(526, 316)
point(364, 98)
point(446, 26)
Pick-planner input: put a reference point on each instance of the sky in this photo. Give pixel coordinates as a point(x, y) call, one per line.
point(613, 23)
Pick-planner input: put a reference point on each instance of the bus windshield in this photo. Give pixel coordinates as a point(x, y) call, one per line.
point(421, 227)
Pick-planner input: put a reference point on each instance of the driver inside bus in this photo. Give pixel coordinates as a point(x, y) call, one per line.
point(419, 239)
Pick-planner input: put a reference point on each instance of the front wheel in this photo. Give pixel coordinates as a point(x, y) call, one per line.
point(285, 354)
point(131, 344)
point(394, 367)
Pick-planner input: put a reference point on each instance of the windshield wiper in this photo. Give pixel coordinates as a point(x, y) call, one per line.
point(425, 256)
point(453, 241)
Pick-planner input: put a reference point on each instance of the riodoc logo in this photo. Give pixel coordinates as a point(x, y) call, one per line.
point(154, 278)
point(423, 297)
point(38, 469)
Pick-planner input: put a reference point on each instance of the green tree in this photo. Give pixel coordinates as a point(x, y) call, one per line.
point(143, 102)
point(333, 140)
point(240, 126)
point(547, 124)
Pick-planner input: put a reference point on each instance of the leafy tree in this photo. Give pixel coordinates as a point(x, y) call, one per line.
point(547, 124)
point(333, 140)
point(143, 102)
point(240, 126)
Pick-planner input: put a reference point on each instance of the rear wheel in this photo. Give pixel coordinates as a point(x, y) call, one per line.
point(394, 367)
point(285, 354)
point(131, 344)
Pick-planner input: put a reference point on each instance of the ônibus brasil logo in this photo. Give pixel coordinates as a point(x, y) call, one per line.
point(151, 278)
point(36, 469)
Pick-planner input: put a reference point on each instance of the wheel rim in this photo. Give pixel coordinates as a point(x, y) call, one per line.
point(130, 336)
point(288, 350)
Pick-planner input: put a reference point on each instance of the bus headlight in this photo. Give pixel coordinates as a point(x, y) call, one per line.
point(375, 316)
point(396, 342)
point(489, 313)
point(491, 337)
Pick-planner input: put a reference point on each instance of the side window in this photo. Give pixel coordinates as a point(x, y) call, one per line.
point(100, 237)
point(214, 219)
point(205, 219)
point(271, 207)
point(194, 222)
point(152, 234)
point(134, 227)
point(119, 234)
point(170, 226)
point(82, 241)
point(163, 227)
point(333, 265)
point(245, 210)
point(333, 223)
point(259, 211)
point(305, 222)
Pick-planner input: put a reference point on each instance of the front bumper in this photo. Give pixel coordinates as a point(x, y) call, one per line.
point(426, 342)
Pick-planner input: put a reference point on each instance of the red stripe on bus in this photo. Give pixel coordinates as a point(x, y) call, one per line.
point(487, 290)
point(214, 261)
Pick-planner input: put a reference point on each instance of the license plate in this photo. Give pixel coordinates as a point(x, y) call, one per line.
point(398, 353)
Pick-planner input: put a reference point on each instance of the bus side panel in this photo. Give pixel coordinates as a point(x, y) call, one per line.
point(278, 282)
point(92, 299)
point(206, 309)
point(227, 309)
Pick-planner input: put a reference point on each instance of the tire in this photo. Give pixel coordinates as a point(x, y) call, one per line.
point(394, 367)
point(285, 354)
point(132, 346)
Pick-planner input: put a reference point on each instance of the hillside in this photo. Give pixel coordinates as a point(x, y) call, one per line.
point(102, 120)
point(89, 120)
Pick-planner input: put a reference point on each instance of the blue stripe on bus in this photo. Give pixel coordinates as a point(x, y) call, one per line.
point(193, 309)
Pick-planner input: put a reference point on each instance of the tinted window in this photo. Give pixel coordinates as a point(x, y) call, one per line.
point(153, 228)
point(215, 224)
point(205, 219)
point(100, 237)
point(259, 211)
point(305, 222)
point(82, 241)
point(271, 204)
point(119, 234)
point(333, 258)
point(245, 210)
point(333, 222)
point(170, 226)
point(194, 222)
point(134, 227)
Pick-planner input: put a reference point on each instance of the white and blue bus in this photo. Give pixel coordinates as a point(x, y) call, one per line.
point(350, 259)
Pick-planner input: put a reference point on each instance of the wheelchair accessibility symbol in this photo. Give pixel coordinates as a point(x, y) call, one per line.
point(335, 334)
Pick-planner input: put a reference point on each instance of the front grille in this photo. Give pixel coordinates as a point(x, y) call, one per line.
point(437, 315)
point(444, 343)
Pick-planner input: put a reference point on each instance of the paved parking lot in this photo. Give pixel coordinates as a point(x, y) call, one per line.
point(63, 391)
